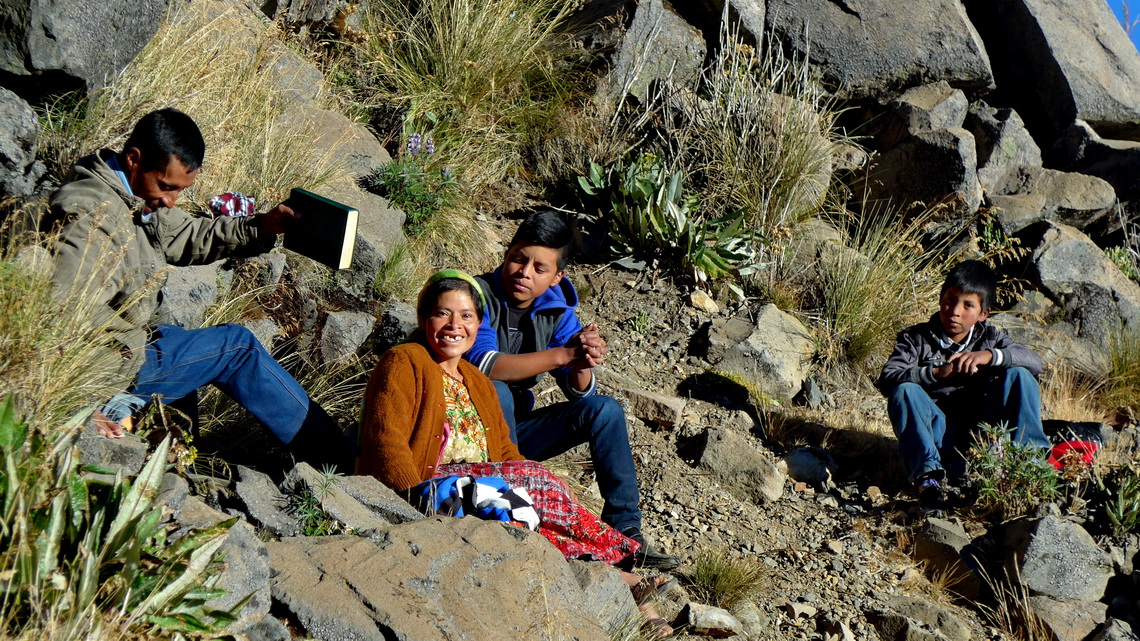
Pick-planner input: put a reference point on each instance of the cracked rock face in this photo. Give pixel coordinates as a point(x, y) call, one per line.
point(437, 578)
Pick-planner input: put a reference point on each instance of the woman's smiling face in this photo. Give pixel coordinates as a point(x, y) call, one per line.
point(451, 325)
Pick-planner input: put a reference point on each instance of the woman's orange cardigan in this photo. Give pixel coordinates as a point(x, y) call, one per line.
point(402, 432)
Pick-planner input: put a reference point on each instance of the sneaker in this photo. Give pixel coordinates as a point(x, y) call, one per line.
point(930, 493)
point(649, 557)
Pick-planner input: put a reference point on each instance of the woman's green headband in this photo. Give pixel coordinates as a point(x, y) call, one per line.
point(453, 273)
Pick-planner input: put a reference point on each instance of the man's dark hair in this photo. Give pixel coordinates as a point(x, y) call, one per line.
point(973, 277)
point(433, 291)
point(165, 133)
point(546, 228)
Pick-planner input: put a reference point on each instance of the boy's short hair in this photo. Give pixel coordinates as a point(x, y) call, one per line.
point(546, 228)
point(165, 133)
point(973, 277)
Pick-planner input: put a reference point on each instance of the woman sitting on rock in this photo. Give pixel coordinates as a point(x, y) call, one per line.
point(429, 415)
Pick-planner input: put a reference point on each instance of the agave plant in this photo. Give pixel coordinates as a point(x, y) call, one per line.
point(81, 552)
point(650, 214)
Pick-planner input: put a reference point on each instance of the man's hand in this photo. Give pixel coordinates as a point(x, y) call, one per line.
point(275, 220)
point(588, 348)
point(963, 364)
point(105, 426)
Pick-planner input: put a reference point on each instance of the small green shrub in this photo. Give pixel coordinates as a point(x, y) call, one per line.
point(650, 214)
point(723, 580)
point(1123, 258)
point(1011, 479)
point(416, 183)
point(1122, 506)
point(308, 506)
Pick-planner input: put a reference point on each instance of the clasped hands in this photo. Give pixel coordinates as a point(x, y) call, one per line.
point(963, 364)
point(587, 348)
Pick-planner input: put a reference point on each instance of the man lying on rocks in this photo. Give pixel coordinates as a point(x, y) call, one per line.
point(121, 232)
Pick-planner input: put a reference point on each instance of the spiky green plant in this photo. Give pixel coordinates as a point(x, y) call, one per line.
point(720, 579)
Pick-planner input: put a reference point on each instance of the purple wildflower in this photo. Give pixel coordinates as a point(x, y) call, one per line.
point(414, 145)
point(430, 147)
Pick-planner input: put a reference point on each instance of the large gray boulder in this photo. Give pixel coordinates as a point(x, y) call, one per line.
point(60, 45)
point(1079, 148)
point(774, 353)
point(437, 578)
point(1058, 60)
point(20, 172)
point(606, 594)
point(929, 167)
point(344, 333)
point(1003, 144)
point(190, 291)
point(1076, 274)
point(1070, 198)
point(659, 44)
point(872, 49)
point(926, 108)
point(1068, 620)
point(737, 463)
point(1057, 559)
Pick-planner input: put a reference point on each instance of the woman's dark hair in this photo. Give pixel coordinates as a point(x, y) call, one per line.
point(432, 291)
point(161, 134)
point(973, 277)
point(546, 228)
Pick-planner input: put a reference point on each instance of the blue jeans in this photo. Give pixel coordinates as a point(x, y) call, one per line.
point(931, 438)
point(598, 420)
point(179, 361)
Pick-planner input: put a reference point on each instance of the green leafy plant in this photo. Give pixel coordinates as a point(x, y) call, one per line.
point(722, 580)
point(1011, 478)
point(650, 214)
point(1125, 260)
point(308, 506)
point(1122, 505)
point(80, 553)
point(415, 183)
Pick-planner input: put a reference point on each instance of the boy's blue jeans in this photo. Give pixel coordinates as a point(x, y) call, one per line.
point(598, 420)
point(931, 438)
point(179, 361)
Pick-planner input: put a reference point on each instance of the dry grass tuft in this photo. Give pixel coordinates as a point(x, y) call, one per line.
point(489, 79)
point(723, 580)
point(1068, 394)
point(882, 282)
point(53, 355)
point(1012, 612)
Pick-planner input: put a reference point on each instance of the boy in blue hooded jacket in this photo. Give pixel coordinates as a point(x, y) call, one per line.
point(529, 329)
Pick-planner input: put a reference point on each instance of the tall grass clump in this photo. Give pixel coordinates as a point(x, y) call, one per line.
point(53, 354)
point(760, 132)
point(881, 281)
point(219, 66)
point(723, 580)
point(487, 79)
point(1122, 381)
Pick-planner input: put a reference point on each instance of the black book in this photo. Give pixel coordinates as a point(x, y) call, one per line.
point(325, 231)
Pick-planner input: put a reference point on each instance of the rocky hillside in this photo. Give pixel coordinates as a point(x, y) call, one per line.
point(1015, 124)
